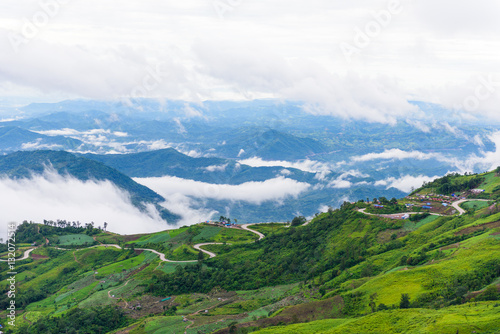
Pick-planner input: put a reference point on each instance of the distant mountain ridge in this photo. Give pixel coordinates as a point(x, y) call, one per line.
point(13, 138)
point(170, 162)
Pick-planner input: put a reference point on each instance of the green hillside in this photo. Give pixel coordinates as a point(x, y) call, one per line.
point(345, 272)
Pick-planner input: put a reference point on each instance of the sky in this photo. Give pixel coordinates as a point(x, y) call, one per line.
point(355, 59)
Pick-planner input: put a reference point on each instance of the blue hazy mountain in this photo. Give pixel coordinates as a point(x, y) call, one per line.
point(212, 170)
point(13, 138)
point(210, 139)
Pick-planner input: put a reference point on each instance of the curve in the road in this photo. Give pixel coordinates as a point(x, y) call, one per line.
point(245, 227)
point(461, 211)
point(24, 257)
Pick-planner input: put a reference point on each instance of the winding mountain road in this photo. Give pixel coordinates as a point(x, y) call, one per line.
point(161, 255)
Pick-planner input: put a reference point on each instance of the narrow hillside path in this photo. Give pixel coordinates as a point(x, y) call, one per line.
point(198, 312)
point(76, 260)
point(24, 317)
point(112, 297)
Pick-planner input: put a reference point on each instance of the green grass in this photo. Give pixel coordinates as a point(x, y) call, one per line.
point(158, 325)
point(269, 228)
point(235, 235)
point(207, 233)
point(159, 237)
point(426, 278)
point(468, 318)
point(169, 267)
point(474, 205)
point(121, 266)
point(320, 326)
point(490, 182)
point(75, 240)
point(413, 226)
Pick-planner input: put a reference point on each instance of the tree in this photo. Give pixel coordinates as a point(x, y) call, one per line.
point(405, 301)
point(330, 211)
point(200, 256)
point(372, 304)
point(105, 225)
point(383, 200)
point(298, 220)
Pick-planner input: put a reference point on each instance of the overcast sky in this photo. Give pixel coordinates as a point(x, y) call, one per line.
point(360, 59)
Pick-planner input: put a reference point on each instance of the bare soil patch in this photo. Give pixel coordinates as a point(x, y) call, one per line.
point(478, 228)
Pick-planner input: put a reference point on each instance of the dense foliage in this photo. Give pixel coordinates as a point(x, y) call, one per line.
point(294, 255)
point(80, 321)
point(452, 183)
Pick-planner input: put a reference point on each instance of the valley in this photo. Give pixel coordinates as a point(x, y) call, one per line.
point(344, 271)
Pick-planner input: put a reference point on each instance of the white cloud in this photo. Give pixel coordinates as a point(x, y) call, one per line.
point(340, 184)
point(321, 169)
point(52, 196)
point(343, 181)
point(405, 183)
point(478, 141)
point(282, 49)
point(419, 125)
point(216, 168)
point(184, 206)
point(396, 154)
point(276, 189)
point(37, 145)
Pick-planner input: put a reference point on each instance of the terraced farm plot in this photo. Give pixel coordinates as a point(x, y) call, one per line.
point(160, 237)
point(75, 240)
point(158, 325)
point(207, 233)
point(121, 266)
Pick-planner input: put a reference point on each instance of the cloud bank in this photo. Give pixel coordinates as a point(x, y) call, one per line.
point(52, 196)
point(276, 189)
point(405, 183)
point(321, 169)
